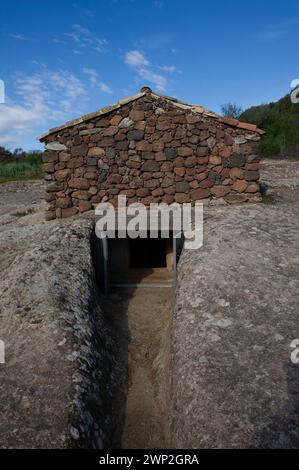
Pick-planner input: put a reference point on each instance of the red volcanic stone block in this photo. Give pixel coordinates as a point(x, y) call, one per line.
point(144, 145)
point(147, 200)
point(167, 166)
point(50, 157)
point(202, 151)
point(169, 190)
point(178, 161)
point(114, 178)
point(79, 183)
point(85, 206)
point(160, 156)
point(236, 173)
point(158, 192)
point(190, 161)
point(79, 150)
point(214, 160)
point(240, 186)
point(182, 198)
point(206, 183)
point(168, 199)
point(163, 125)
point(69, 212)
point(120, 136)
point(185, 151)
point(150, 165)
point(252, 188)
point(136, 115)
point(115, 120)
point(251, 175)
point(48, 167)
point(63, 202)
point(252, 166)
point(180, 171)
point(220, 191)
point(75, 162)
point(225, 152)
point(152, 183)
point(110, 131)
point(142, 192)
point(128, 192)
point(200, 193)
point(158, 146)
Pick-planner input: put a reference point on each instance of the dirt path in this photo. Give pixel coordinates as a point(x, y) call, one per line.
point(144, 315)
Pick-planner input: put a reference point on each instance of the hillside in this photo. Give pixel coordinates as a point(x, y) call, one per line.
point(281, 121)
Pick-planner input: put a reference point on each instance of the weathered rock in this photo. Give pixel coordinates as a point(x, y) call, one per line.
point(96, 152)
point(185, 151)
point(251, 175)
point(182, 187)
point(240, 186)
point(79, 183)
point(170, 153)
point(50, 157)
point(55, 187)
point(126, 122)
point(136, 115)
point(215, 160)
point(135, 135)
point(57, 146)
point(236, 173)
point(237, 161)
point(220, 191)
point(62, 175)
point(150, 165)
point(63, 202)
point(84, 206)
point(200, 193)
point(79, 150)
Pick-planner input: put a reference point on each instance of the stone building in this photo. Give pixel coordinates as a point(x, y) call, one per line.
point(151, 148)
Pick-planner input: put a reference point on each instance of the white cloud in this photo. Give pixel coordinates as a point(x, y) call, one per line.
point(105, 88)
point(92, 73)
point(20, 37)
point(84, 38)
point(142, 67)
point(94, 80)
point(43, 98)
point(154, 78)
point(168, 68)
point(135, 59)
point(295, 83)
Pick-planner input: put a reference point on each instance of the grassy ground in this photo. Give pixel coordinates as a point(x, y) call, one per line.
point(21, 169)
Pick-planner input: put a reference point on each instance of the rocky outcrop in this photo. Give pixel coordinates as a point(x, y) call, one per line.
point(62, 373)
point(236, 315)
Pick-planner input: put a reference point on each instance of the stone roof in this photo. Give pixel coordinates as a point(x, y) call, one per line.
point(195, 108)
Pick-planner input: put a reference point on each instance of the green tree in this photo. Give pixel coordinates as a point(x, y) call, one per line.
point(231, 110)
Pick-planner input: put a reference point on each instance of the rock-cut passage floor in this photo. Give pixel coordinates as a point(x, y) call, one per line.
point(144, 315)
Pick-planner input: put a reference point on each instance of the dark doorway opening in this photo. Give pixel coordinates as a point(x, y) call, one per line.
point(148, 253)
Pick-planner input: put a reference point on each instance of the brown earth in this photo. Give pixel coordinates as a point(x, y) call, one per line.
point(144, 314)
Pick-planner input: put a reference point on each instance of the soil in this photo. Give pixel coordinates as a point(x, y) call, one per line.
point(144, 315)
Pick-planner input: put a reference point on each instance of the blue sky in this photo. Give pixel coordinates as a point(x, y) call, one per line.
point(61, 59)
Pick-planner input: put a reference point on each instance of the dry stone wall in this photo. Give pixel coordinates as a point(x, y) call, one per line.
point(151, 151)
